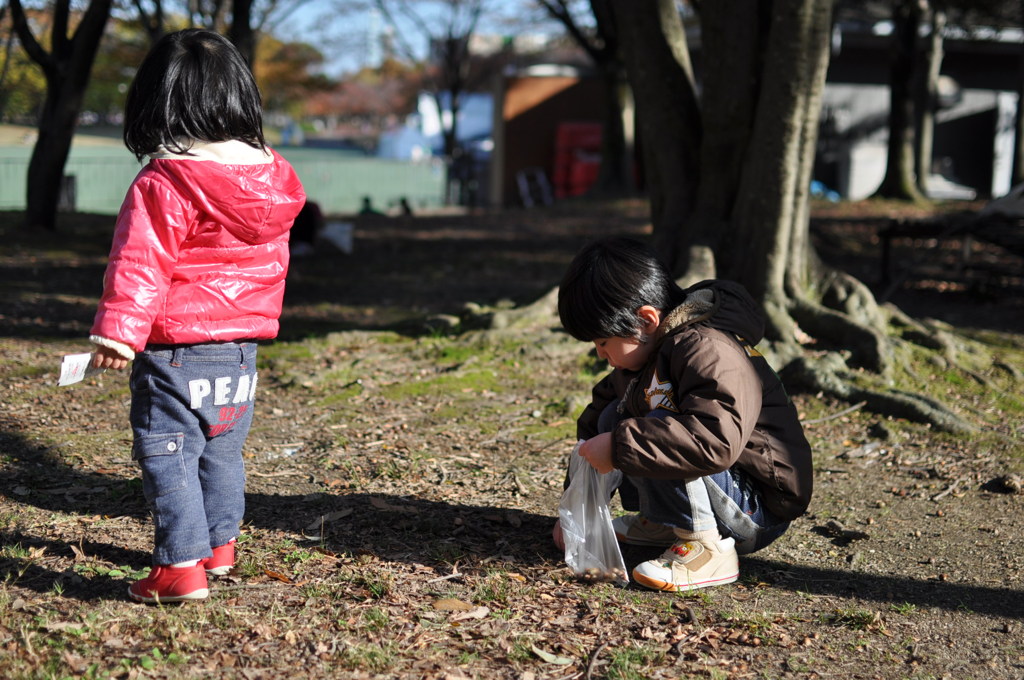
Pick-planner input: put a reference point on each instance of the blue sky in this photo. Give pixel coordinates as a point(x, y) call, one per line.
point(346, 38)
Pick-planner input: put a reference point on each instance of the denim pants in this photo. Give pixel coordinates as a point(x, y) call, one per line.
point(728, 501)
point(192, 406)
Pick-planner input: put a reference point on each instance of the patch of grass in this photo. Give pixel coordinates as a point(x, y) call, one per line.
point(701, 597)
point(521, 651)
point(755, 624)
point(631, 663)
point(591, 366)
point(496, 588)
point(855, 619)
point(904, 608)
point(300, 556)
point(466, 657)
point(248, 566)
point(377, 583)
point(445, 552)
point(376, 618)
point(280, 355)
point(348, 389)
point(157, 658)
point(372, 657)
point(108, 571)
point(468, 384)
point(26, 371)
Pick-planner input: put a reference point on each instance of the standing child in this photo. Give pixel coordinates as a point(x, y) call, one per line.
point(196, 276)
point(712, 452)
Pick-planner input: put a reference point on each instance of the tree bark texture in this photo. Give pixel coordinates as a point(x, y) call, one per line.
point(668, 118)
point(732, 50)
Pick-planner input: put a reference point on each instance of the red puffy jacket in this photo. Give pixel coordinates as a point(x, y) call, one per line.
point(200, 250)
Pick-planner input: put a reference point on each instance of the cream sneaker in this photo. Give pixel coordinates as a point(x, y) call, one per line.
point(691, 564)
point(638, 530)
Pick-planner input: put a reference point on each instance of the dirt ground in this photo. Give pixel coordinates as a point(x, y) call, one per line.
point(405, 470)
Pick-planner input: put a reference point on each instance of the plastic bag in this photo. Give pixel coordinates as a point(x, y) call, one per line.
point(591, 550)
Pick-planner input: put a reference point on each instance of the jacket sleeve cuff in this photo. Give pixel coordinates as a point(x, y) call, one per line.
point(119, 347)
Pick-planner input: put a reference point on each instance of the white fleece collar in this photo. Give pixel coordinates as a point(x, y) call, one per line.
point(232, 152)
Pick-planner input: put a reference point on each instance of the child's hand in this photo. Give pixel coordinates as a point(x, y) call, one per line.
point(104, 357)
point(556, 535)
point(598, 452)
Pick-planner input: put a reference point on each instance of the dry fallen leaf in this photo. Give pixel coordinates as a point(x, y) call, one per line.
point(277, 575)
point(475, 613)
point(451, 604)
point(551, 658)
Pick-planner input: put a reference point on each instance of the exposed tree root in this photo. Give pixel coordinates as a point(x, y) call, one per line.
point(856, 327)
point(850, 332)
point(542, 312)
point(819, 375)
point(856, 331)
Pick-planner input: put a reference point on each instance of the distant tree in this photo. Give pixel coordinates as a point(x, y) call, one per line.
point(67, 68)
point(900, 180)
point(151, 16)
point(286, 74)
point(242, 21)
point(367, 102)
point(447, 26)
point(22, 87)
point(926, 96)
point(915, 67)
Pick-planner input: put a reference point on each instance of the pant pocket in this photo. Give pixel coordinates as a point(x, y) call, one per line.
point(163, 465)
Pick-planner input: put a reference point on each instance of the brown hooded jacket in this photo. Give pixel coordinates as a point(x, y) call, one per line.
point(715, 403)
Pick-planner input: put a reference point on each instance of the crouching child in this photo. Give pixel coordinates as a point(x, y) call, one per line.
point(714, 460)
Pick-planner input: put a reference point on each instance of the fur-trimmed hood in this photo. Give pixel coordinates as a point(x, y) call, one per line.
point(724, 305)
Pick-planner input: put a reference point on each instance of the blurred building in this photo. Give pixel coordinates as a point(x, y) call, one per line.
point(974, 131)
point(547, 119)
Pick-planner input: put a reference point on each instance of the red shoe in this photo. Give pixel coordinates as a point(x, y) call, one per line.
point(171, 584)
point(223, 560)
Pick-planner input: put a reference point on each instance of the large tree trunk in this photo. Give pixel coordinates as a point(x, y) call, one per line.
point(667, 115)
point(67, 68)
point(772, 189)
point(899, 181)
point(732, 52)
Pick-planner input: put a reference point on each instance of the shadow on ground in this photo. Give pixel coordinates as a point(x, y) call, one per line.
point(393, 528)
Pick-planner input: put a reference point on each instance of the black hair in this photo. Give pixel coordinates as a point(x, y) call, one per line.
point(192, 86)
point(605, 285)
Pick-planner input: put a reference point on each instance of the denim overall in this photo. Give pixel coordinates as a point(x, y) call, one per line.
point(191, 410)
point(727, 501)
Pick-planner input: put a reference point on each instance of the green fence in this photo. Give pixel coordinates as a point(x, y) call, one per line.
point(337, 180)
